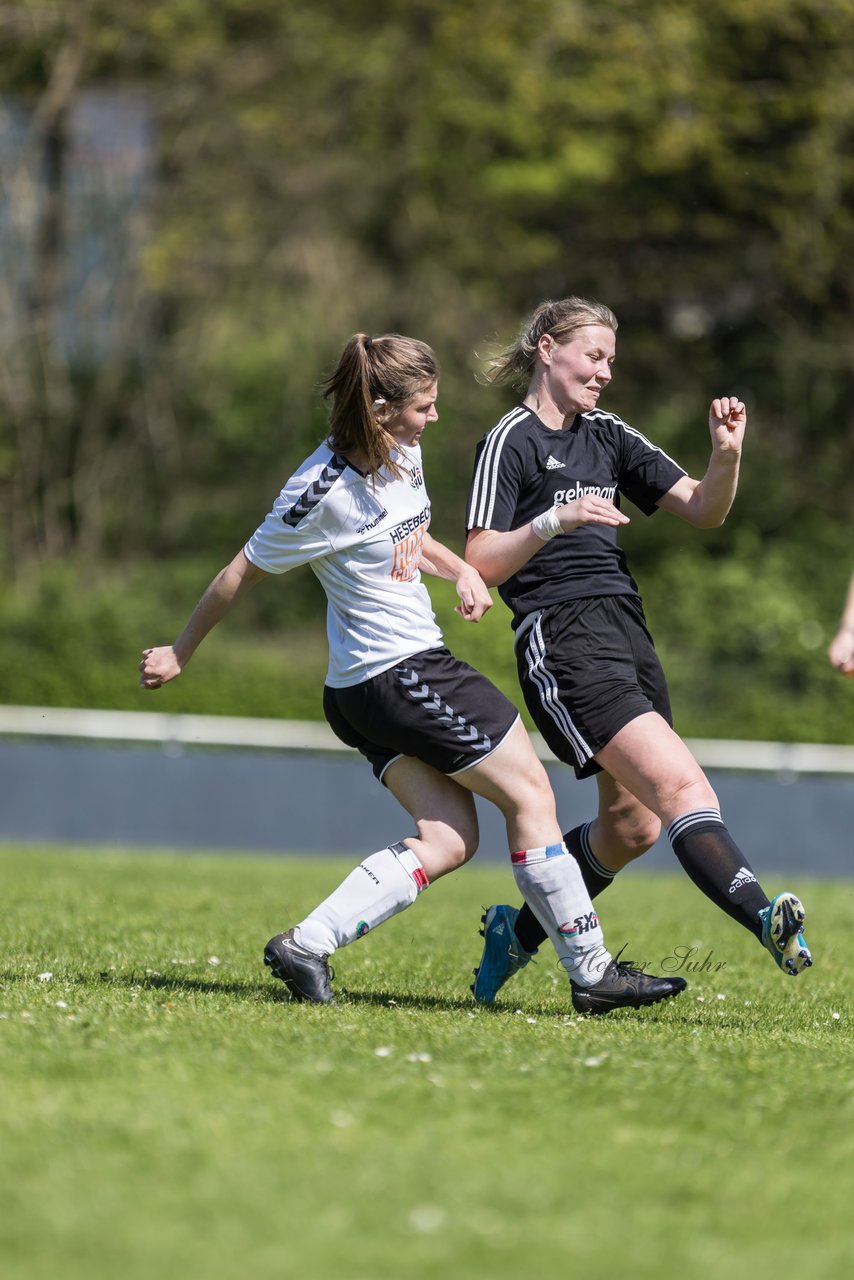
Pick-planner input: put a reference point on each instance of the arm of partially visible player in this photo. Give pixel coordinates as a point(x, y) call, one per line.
point(498, 554)
point(441, 562)
point(705, 503)
point(162, 664)
point(841, 651)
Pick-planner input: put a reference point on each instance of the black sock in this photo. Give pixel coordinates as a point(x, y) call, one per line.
point(596, 877)
point(713, 860)
point(528, 929)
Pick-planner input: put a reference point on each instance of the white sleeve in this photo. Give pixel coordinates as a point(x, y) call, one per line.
point(277, 545)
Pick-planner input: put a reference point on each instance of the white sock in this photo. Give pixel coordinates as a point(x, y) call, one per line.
point(552, 886)
point(384, 884)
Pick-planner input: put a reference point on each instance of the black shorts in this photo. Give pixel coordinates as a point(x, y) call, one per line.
point(587, 668)
point(432, 706)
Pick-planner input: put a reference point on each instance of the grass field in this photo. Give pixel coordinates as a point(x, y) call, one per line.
point(165, 1112)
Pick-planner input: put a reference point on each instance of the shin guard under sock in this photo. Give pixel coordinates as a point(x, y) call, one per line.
point(550, 881)
point(528, 929)
point(384, 884)
point(712, 859)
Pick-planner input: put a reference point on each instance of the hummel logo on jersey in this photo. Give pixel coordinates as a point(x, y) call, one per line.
point(743, 877)
point(372, 524)
point(552, 464)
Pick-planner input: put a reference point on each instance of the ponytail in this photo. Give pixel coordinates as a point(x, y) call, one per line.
point(374, 378)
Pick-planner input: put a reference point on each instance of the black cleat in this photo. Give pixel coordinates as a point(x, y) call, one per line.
point(623, 987)
point(305, 975)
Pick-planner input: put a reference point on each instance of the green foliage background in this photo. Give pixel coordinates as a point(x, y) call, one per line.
point(437, 168)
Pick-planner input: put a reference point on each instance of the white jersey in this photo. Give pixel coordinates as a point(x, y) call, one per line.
point(363, 539)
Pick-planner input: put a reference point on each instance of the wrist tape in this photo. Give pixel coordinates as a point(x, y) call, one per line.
point(546, 525)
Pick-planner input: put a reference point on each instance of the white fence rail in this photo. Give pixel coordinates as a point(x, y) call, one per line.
point(298, 735)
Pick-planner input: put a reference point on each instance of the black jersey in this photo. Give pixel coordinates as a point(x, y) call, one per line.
point(523, 468)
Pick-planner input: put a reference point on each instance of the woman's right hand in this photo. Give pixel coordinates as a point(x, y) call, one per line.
point(589, 510)
point(158, 667)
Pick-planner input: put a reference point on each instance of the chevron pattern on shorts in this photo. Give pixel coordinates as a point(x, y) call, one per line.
point(318, 489)
point(419, 691)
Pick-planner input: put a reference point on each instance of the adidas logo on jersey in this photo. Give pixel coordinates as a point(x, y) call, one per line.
point(552, 464)
point(743, 877)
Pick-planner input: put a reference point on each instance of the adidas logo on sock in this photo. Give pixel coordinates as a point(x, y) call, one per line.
point(743, 877)
point(552, 464)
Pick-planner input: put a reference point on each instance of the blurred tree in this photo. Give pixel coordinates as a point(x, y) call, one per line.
point(74, 311)
point(438, 167)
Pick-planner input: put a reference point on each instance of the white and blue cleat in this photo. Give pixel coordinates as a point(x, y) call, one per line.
point(782, 923)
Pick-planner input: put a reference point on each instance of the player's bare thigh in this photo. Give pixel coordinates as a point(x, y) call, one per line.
point(651, 761)
point(514, 778)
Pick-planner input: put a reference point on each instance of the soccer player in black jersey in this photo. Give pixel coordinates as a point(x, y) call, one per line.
point(543, 516)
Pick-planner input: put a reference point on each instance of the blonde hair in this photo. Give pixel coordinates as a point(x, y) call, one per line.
point(373, 377)
point(515, 364)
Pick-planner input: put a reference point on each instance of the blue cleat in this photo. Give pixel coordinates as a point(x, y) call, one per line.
point(502, 954)
point(782, 921)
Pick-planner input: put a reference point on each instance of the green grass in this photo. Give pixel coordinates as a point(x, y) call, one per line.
point(166, 1113)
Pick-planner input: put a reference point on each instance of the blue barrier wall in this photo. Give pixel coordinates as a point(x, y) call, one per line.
point(302, 802)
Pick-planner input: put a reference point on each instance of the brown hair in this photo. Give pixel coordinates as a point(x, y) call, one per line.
point(515, 364)
point(391, 369)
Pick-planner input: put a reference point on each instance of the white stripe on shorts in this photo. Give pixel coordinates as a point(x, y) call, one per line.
point(546, 685)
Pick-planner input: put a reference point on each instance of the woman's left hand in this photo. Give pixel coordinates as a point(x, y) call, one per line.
point(727, 423)
point(474, 595)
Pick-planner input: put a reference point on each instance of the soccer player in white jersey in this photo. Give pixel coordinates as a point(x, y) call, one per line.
point(435, 730)
point(543, 517)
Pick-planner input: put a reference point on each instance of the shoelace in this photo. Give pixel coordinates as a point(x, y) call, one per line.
point(627, 966)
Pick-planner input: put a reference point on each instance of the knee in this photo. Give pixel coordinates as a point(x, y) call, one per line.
point(628, 833)
point(691, 793)
point(642, 835)
point(533, 793)
point(462, 849)
point(447, 851)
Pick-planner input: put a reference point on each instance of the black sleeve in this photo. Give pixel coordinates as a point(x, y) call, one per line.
point(497, 481)
point(646, 472)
